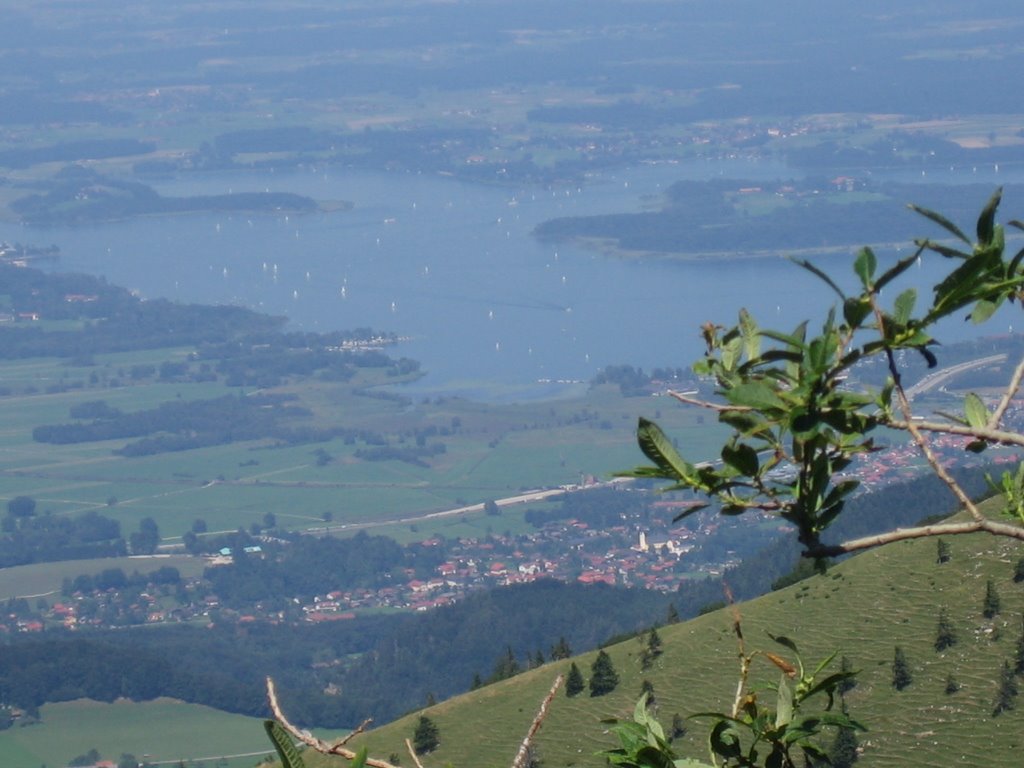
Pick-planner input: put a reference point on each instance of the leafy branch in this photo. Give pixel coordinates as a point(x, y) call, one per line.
point(796, 421)
point(739, 738)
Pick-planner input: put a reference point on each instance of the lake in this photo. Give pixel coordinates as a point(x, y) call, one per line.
point(487, 309)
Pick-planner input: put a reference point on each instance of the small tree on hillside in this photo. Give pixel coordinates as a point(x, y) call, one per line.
point(560, 650)
point(652, 650)
point(603, 677)
point(901, 676)
point(945, 637)
point(647, 689)
point(21, 506)
point(991, 604)
point(952, 686)
point(848, 682)
point(1018, 652)
point(426, 737)
point(1006, 693)
point(941, 552)
point(574, 681)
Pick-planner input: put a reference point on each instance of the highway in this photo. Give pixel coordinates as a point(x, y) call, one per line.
point(936, 378)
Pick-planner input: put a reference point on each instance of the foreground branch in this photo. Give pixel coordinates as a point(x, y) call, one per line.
point(338, 747)
point(1008, 395)
point(524, 748)
point(988, 434)
point(705, 404)
point(323, 747)
point(982, 525)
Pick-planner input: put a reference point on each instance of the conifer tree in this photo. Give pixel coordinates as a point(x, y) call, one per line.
point(574, 681)
point(672, 617)
point(678, 727)
point(1018, 571)
point(426, 737)
point(843, 751)
point(1018, 656)
point(945, 637)
point(847, 684)
point(942, 551)
point(560, 650)
point(991, 605)
point(952, 686)
point(1006, 692)
point(647, 689)
point(603, 677)
point(505, 667)
point(901, 676)
point(652, 650)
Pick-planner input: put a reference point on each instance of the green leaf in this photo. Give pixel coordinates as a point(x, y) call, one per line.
point(359, 761)
point(784, 641)
point(742, 458)
point(897, 269)
point(904, 306)
point(795, 339)
point(750, 334)
point(687, 512)
point(744, 422)
point(943, 250)
point(865, 265)
point(855, 310)
point(658, 448)
point(821, 275)
point(282, 740)
point(724, 741)
point(784, 704)
point(754, 394)
point(983, 310)
point(986, 221)
point(942, 221)
point(975, 411)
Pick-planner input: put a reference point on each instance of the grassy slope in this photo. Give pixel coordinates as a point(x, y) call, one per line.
point(863, 608)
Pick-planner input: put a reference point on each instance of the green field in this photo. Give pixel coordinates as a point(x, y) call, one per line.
point(495, 451)
point(862, 608)
point(163, 731)
point(45, 579)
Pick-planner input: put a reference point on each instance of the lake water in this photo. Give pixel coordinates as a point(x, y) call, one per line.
point(452, 266)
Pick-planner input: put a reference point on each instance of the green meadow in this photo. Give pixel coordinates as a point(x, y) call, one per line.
point(492, 450)
point(45, 579)
point(159, 732)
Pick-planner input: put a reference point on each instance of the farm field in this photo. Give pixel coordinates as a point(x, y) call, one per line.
point(164, 731)
point(490, 451)
point(45, 579)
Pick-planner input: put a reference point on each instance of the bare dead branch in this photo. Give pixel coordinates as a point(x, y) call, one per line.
point(356, 732)
point(337, 748)
point(524, 748)
point(705, 404)
point(997, 436)
point(412, 754)
point(1008, 395)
